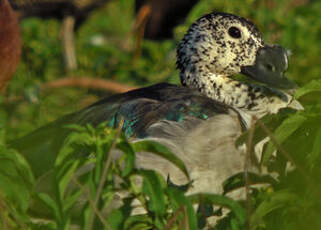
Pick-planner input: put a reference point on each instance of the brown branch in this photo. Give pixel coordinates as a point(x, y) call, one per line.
point(91, 202)
point(170, 223)
point(139, 28)
point(142, 16)
point(86, 82)
point(68, 44)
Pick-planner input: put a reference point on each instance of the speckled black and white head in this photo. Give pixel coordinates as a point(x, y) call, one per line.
point(219, 45)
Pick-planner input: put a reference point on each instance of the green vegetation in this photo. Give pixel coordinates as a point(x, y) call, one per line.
point(290, 202)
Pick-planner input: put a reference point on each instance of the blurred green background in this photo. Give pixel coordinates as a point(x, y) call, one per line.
point(105, 46)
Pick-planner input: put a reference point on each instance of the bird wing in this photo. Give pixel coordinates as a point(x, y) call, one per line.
point(165, 106)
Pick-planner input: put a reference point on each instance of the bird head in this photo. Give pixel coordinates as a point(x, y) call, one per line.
point(223, 44)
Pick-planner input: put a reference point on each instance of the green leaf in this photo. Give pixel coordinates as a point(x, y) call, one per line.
point(138, 222)
point(51, 204)
point(177, 200)
point(100, 162)
point(270, 120)
point(237, 181)
point(288, 127)
point(235, 225)
point(70, 200)
point(76, 128)
point(162, 151)
point(64, 180)
point(130, 157)
point(316, 151)
point(153, 188)
point(16, 179)
point(277, 200)
point(312, 86)
point(221, 201)
point(115, 219)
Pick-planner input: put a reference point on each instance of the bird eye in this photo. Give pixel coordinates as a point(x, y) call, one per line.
point(234, 32)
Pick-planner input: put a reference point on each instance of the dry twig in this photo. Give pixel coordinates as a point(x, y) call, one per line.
point(248, 153)
point(139, 28)
point(86, 82)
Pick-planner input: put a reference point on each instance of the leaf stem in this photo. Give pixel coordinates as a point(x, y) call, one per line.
point(104, 174)
point(248, 153)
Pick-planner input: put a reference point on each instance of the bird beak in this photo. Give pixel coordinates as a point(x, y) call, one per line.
point(270, 65)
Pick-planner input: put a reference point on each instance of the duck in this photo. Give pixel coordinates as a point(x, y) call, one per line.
point(199, 120)
point(10, 44)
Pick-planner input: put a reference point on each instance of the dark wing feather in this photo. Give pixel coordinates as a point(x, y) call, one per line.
point(144, 107)
point(141, 109)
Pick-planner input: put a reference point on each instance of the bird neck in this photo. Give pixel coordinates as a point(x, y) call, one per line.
point(248, 99)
